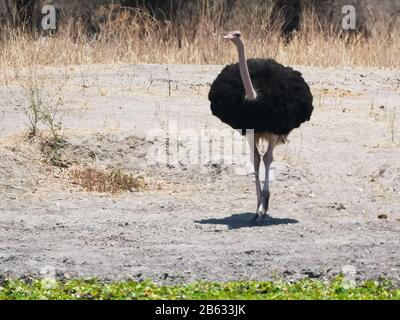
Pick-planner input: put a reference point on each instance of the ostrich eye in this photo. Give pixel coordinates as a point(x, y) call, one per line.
point(238, 35)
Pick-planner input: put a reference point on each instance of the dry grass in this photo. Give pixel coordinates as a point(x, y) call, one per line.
point(107, 181)
point(134, 36)
point(334, 92)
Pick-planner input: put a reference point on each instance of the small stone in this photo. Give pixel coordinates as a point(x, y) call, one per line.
point(340, 206)
point(383, 216)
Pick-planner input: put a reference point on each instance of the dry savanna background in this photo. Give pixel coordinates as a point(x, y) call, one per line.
point(80, 197)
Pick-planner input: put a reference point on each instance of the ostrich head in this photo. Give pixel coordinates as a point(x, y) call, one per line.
point(236, 38)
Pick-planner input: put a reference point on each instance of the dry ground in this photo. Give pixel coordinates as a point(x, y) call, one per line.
point(336, 176)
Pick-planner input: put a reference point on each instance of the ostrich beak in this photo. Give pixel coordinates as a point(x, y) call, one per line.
point(228, 37)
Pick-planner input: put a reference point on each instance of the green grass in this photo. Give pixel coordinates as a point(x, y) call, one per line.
point(96, 289)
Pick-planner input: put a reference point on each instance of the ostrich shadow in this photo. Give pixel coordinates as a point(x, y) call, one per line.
point(245, 220)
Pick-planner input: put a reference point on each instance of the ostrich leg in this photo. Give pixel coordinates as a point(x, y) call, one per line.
point(257, 161)
point(264, 203)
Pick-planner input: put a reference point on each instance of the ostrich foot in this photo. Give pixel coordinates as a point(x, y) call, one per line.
point(259, 217)
point(258, 213)
point(263, 207)
point(266, 203)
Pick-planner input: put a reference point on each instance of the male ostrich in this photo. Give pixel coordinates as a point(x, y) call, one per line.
point(264, 96)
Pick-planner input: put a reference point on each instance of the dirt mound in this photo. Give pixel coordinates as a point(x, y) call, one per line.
point(20, 169)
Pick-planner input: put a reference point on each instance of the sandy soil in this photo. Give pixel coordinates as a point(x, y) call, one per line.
point(336, 176)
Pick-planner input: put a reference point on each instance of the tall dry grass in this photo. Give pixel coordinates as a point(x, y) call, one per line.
point(134, 36)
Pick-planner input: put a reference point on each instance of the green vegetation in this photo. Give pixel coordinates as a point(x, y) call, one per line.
point(96, 289)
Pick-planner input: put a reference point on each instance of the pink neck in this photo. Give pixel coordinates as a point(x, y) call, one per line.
point(244, 73)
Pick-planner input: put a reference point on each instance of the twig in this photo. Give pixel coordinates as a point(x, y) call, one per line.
point(13, 187)
point(151, 82)
point(169, 82)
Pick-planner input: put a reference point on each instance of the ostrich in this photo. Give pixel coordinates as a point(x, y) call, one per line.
point(264, 96)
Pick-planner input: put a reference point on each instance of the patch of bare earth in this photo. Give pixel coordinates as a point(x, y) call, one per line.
point(335, 196)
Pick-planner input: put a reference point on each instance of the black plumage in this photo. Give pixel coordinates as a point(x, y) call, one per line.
point(284, 100)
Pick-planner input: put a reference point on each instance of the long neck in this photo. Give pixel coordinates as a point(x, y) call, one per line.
point(244, 73)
